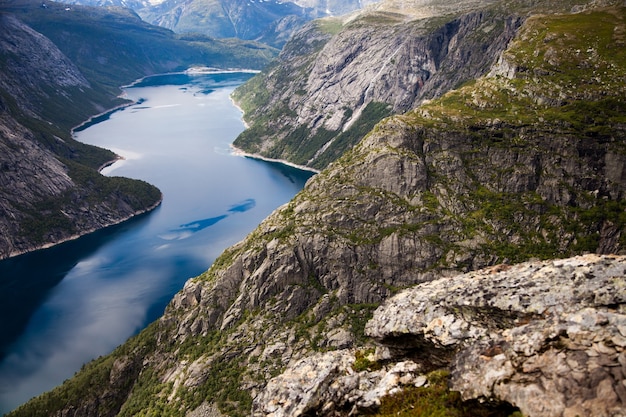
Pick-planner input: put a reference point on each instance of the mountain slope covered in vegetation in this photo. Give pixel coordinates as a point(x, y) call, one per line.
point(271, 22)
point(527, 161)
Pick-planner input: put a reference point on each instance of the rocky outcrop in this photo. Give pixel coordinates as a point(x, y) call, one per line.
point(424, 195)
point(546, 337)
point(329, 384)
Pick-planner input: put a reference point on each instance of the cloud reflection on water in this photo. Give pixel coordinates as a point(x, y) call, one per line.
point(188, 229)
point(77, 301)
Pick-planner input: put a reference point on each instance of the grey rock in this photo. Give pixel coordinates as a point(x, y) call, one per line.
point(400, 64)
point(553, 354)
point(327, 384)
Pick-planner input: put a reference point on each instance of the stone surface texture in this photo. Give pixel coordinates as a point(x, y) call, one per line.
point(547, 337)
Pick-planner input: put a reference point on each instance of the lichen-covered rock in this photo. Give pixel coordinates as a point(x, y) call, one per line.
point(547, 337)
point(327, 384)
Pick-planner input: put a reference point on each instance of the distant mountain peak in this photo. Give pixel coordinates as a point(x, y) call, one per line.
point(268, 21)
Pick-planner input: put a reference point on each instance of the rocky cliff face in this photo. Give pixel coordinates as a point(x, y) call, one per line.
point(338, 77)
point(555, 349)
point(49, 68)
point(525, 162)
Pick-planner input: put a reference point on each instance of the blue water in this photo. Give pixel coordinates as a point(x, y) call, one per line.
point(64, 306)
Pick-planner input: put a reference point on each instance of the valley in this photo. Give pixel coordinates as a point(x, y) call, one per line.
point(471, 150)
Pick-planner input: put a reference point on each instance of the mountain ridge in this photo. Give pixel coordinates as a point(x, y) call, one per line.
point(525, 162)
point(270, 22)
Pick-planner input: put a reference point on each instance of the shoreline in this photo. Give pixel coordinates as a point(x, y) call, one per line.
point(194, 71)
point(232, 100)
point(86, 232)
point(190, 71)
point(108, 112)
point(111, 162)
point(239, 152)
point(91, 119)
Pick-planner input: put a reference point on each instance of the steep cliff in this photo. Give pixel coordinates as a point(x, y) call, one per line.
point(557, 348)
point(525, 162)
point(339, 76)
point(49, 192)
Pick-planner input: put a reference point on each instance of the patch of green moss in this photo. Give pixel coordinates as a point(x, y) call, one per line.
point(362, 361)
point(570, 71)
point(436, 400)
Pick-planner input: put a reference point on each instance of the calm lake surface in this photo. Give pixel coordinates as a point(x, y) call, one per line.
point(64, 306)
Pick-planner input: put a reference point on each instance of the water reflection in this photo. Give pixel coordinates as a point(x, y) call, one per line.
point(26, 280)
point(69, 304)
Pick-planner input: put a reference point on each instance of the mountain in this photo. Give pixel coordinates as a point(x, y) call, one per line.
point(524, 163)
point(51, 190)
point(113, 46)
point(356, 70)
point(59, 67)
point(339, 76)
point(268, 21)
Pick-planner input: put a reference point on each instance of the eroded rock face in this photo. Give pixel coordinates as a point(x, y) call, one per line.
point(399, 55)
point(547, 337)
point(48, 66)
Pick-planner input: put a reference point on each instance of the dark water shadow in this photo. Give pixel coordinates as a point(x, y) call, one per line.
point(26, 280)
point(244, 206)
point(293, 174)
point(186, 230)
point(198, 225)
